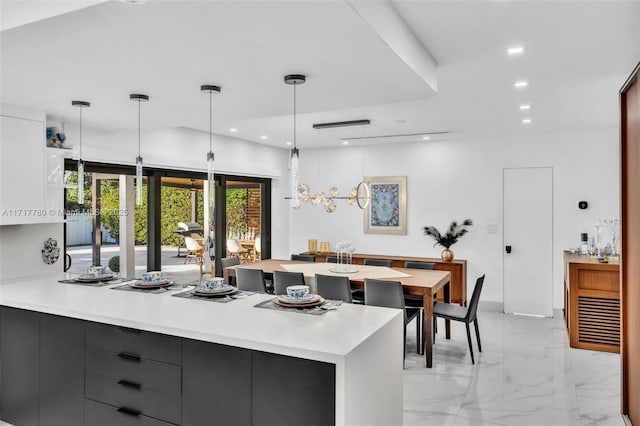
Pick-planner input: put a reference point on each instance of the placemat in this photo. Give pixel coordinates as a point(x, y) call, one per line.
point(98, 284)
point(318, 310)
point(222, 299)
point(127, 287)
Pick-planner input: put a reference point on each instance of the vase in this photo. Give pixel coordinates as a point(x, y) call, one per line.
point(447, 255)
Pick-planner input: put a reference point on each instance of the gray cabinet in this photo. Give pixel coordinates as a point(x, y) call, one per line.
point(42, 374)
point(19, 355)
point(61, 371)
point(288, 391)
point(216, 385)
point(57, 371)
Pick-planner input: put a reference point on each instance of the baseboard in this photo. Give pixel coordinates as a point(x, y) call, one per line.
point(491, 306)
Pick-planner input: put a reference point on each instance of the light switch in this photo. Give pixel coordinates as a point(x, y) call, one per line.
point(492, 228)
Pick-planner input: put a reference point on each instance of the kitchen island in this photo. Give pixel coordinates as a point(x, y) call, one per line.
point(75, 354)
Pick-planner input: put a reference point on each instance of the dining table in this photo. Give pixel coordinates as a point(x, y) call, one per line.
point(419, 282)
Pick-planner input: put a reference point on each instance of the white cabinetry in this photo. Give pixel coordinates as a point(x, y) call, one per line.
point(25, 194)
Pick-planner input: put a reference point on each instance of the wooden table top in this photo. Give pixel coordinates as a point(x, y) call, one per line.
point(417, 281)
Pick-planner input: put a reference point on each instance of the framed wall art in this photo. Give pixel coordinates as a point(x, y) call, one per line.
point(387, 210)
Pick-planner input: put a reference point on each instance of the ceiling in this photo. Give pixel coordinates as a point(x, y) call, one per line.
point(577, 55)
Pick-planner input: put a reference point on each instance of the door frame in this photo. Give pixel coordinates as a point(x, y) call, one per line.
point(221, 216)
point(552, 231)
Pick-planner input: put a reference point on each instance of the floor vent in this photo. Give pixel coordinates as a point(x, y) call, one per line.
point(599, 320)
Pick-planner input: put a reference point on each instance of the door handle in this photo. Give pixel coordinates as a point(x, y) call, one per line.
point(508, 249)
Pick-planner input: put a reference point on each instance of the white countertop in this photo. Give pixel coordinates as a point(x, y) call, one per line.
point(329, 337)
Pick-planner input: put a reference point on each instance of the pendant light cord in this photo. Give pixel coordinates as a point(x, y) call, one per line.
point(138, 127)
point(80, 133)
point(210, 120)
point(294, 115)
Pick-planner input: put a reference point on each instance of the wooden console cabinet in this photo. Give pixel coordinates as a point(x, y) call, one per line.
point(457, 268)
point(592, 303)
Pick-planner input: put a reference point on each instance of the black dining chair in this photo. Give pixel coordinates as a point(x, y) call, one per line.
point(225, 262)
point(379, 262)
point(466, 315)
point(283, 279)
point(334, 259)
point(358, 295)
point(303, 257)
point(334, 287)
point(389, 294)
point(251, 280)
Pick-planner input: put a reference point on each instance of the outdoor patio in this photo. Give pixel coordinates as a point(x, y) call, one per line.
point(172, 265)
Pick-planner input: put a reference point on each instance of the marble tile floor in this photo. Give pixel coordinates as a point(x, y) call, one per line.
point(526, 375)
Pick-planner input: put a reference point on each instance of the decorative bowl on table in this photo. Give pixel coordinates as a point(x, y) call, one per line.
point(298, 291)
point(96, 274)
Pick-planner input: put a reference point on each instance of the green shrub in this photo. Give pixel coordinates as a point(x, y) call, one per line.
point(114, 263)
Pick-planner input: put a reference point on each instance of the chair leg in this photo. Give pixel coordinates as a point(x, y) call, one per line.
point(404, 345)
point(424, 335)
point(470, 344)
point(418, 333)
point(435, 329)
point(475, 325)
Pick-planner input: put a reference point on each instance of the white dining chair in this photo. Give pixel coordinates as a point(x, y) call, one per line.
point(235, 249)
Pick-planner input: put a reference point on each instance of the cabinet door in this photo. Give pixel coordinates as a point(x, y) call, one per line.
point(19, 331)
point(61, 371)
point(216, 385)
point(292, 391)
point(22, 171)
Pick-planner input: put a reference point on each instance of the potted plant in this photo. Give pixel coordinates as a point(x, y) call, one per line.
point(449, 238)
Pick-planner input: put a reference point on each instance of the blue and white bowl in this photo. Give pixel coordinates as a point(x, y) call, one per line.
point(98, 271)
point(211, 284)
point(298, 291)
point(152, 276)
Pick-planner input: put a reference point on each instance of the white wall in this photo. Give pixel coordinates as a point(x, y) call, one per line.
point(20, 247)
point(463, 179)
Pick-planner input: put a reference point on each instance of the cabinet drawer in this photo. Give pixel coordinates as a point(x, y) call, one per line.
point(148, 402)
point(98, 414)
point(144, 344)
point(150, 374)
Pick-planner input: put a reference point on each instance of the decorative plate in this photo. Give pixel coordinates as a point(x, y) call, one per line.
point(157, 284)
point(215, 293)
point(95, 279)
point(282, 301)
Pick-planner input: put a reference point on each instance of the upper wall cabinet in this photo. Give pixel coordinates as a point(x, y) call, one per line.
point(26, 195)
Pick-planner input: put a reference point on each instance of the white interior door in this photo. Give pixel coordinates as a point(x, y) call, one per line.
point(528, 241)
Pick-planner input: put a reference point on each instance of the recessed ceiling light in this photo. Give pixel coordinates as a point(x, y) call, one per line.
point(288, 143)
point(133, 1)
point(520, 84)
point(345, 142)
point(233, 130)
point(515, 50)
point(263, 137)
point(525, 107)
point(526, 121)
point(426, 138)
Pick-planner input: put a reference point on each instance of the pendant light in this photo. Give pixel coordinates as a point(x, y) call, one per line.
point(295, 79)
point(139, 98)
point(210, 157)
point(80, 105)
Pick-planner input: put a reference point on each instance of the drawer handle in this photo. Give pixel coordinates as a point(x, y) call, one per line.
point(129, 411)
point(129, 384)
point(129, 357)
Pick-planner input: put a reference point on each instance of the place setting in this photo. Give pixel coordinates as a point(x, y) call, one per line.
point(96, 276)
point(154, 282)
point(298, 299)
point(215, 290)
